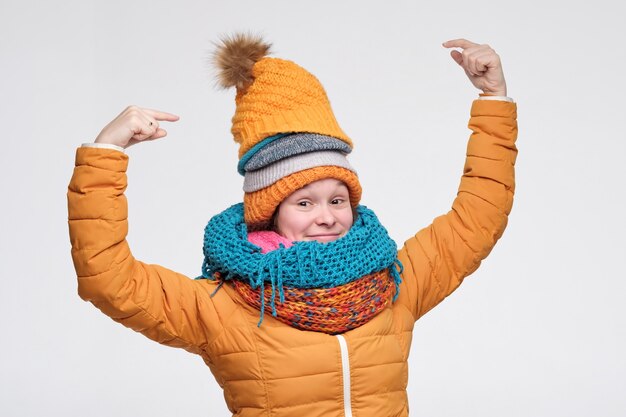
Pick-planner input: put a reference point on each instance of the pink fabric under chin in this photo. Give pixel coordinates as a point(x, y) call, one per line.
point(268, 240)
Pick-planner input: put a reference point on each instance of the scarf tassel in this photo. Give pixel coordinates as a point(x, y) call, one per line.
point(330, 310)
point(305, 267)
point(395, 270)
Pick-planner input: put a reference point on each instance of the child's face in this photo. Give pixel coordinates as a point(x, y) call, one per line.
point(319, 211)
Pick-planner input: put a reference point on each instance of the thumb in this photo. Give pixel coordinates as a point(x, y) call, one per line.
point(160, 133)
point(457, 56)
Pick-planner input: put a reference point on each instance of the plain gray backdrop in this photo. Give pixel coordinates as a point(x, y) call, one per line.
point(538, 330)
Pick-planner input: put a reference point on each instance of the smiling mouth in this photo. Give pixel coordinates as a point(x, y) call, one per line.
point(326, 237)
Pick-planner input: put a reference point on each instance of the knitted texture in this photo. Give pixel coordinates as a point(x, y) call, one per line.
point(260, 205)
point(243, 161)
point(268, 240)
point(328, 310)
point(277, 98)
point(291, 145)
point(283, 98)
point(266, 176)
point(365, 249)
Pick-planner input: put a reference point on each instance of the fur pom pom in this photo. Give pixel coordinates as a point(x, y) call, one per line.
point(235, 56)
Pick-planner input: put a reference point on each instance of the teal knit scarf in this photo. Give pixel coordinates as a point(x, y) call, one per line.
point(365, 249)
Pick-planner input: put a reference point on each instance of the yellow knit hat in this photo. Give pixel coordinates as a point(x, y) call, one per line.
point(276, 98)
point(284, 97)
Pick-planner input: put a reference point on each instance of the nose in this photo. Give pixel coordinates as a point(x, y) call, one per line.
point(325, 216)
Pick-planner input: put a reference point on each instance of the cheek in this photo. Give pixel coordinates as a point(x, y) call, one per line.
point(346, 218)
point(291, 224)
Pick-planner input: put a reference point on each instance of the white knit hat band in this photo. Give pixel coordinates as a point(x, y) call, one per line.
point(264, 177)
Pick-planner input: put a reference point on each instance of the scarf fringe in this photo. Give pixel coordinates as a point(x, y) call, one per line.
point(329, 310)
point(230, 256)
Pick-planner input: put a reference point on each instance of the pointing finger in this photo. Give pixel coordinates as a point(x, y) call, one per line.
point(459, 43)
point(161, 115)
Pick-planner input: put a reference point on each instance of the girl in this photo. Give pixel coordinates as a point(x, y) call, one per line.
point(305, 306)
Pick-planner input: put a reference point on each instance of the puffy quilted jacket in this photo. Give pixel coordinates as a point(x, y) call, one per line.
point(276, 370)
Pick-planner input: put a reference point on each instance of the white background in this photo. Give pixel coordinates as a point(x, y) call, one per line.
point(538, 330)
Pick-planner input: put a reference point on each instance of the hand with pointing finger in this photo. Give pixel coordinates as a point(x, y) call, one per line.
point(134, 125)
point(481, 64)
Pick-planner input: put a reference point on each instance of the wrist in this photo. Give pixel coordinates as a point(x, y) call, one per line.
point(101, 145)
point(500, 92)
point(104, 141)
point(112, 134)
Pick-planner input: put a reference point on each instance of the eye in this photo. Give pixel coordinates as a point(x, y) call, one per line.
point(337, 201)
point(304, 203)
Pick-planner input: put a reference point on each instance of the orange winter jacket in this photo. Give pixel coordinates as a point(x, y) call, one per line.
point(276, 370)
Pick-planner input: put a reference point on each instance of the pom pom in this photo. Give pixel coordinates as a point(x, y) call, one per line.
point(235, 56)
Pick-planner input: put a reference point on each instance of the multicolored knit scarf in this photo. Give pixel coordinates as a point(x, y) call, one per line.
point(363, 252)
point(328, 310)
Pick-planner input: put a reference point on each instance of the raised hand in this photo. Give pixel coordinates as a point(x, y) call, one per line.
point(133, 125)
point(481, 64)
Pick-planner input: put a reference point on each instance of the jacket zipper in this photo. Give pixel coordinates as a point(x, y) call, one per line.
point(345, 366)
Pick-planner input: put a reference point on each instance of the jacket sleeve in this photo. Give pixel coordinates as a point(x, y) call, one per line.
point(439, 257)
point(163, 305)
